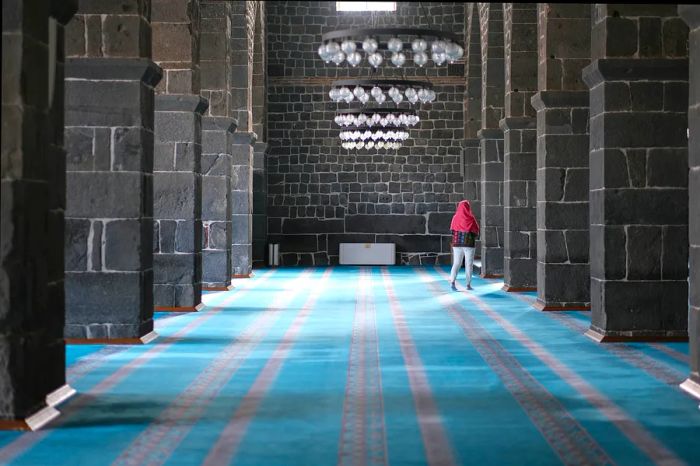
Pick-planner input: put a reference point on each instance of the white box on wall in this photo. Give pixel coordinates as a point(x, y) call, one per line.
point(367, 253)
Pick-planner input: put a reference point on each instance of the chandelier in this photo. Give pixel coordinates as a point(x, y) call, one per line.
point(362, 90)
point(376, 117)
point(343, 46)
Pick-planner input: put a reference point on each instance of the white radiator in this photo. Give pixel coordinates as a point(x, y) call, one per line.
point(367, 253)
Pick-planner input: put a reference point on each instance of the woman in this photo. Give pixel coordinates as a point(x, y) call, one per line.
point(465, 230)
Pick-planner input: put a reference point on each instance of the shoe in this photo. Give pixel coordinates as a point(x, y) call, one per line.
point(469, 287)
point(452, 284)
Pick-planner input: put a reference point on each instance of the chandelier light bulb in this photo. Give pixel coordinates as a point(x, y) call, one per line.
point(419, 45)
point(332, 48)
point(394, 45)
point(354, 59)
point(438, 57)
point(420, 59)
point(348, 46)
point(453, 52)
point(380, 98)
point(364, 98)
point(438, 46)
point(338, 58)
point(370, 45)
point(375, 59)
point(411, 95)
point(380, 144)
point(360, 145)
point(358, 91)
point(369, 144)
point(322, 53)
point(398, 98)
point(398, 59)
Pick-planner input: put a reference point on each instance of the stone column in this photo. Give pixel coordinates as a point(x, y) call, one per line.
point(472, 115)
point(491, 137)
point(639, 174)
point(242, 204)
point(32, 350)
point(259, 205)
point(520, 146)
point(218, 126)
point(562, 157)
point(109, 141)
point(177, 160)
point(691, 15)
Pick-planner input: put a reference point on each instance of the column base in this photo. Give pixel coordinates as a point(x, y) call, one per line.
point(518, 289)
point(144, 340)
point(601, 336)
point(691, 387)
point(492, 275)
point(540, 306)
point(196, 308)
point(242, 275)
point(217, 288)
point(45, 415)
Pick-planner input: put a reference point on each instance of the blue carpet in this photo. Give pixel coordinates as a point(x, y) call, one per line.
point(381, 365)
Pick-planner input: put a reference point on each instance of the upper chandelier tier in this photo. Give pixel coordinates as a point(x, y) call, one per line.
point(343, 46)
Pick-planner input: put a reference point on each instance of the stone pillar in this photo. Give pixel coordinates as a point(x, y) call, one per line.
point(491, 138)
point(32, 350)
point(109, 143)
point(562, 157)
point(520, 148)
point(259, 205)
point(242, 204)
point(218, 126)
point(472, 116)
point(177, 246)
point(691, 15)
point(639, 174)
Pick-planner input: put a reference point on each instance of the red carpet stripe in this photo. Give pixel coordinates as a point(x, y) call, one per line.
point(634, 431)
point(363, 408)
point(565, 435)
point(29, 439)
point(228, 442)
point(662, 372)
point(160, 439)
point(437, 446)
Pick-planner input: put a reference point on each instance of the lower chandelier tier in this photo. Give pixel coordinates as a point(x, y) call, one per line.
point(374, 135)
point(391, 145)
point(377, 117)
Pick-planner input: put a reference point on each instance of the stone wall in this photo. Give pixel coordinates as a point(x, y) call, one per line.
point(320, 195)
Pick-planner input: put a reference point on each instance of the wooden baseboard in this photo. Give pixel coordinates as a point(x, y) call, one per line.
point(691, 387)
point(245, 275)
point(518, 289)
point(149, 337)
point(600, 337)
point(543, 307)
point(492, 275)
point(179, 308)
point(217, 288)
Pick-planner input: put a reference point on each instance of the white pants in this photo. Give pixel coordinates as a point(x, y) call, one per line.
point(459, 254)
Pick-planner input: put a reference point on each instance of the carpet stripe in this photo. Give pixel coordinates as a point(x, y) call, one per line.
point(363, 434)
point(659, 370)
point(157, 443)
point(29, 439)
point(435, 441)
point(634, 431)
point(565, 435)
point(225, 448)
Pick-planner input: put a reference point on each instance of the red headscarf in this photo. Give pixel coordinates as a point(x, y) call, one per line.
point(463, 219)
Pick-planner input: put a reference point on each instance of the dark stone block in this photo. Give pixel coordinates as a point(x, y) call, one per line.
point(385, 223)
point(643, 251)
point(128, 245)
